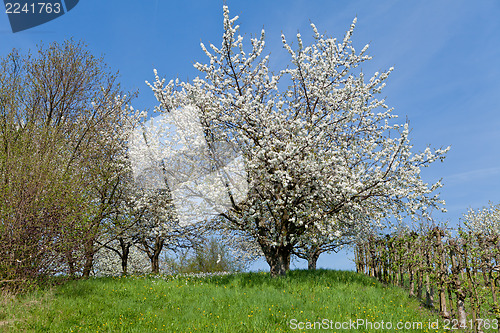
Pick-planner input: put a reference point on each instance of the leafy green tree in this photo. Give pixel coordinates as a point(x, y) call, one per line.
point(64, 123)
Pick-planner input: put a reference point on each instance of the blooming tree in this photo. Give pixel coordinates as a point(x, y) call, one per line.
point(485, 221)
point(107, 262)
point(157, 223)
point(162, 195)
point(316, 141)
point(120, 232)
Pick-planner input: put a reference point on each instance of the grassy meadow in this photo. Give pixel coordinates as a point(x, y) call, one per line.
point(244, 302)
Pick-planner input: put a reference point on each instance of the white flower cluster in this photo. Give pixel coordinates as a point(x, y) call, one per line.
point(484, 221)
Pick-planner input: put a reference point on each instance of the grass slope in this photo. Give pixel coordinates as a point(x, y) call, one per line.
point(247, 302)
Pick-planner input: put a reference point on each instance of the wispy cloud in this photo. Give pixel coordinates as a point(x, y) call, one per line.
point(472, 175)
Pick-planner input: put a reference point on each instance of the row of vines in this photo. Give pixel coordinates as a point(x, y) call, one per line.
point(458, 275)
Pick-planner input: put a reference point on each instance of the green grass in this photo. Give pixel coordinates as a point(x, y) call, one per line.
point(246, 302)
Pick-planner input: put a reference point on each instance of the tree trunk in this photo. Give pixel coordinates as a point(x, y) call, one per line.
point(419, 283)
point(125, 264)
point(462, 315)
point(71, 265)
point(442, 303)
point(412, 282)
point(154, 253)
point(372, 262)
point(450, 299)
point(429, 292)
point(312, 260)
point(456, 270)
point(155, 265)
point(278, 258)
point(357, 258)
point(443, 272)
point(89, 259)
point(87, 267)
point(124, 256)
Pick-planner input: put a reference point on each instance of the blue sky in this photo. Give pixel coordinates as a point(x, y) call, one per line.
point(446, 55)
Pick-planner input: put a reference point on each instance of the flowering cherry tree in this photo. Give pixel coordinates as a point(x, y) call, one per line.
point(485, 221)
point(316, 141)
point(160, 228)
point(109, 260)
